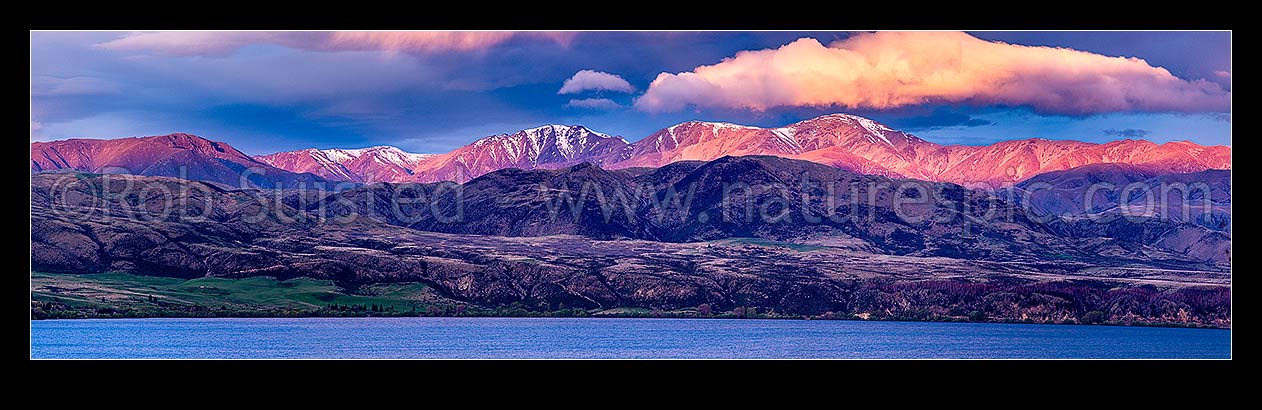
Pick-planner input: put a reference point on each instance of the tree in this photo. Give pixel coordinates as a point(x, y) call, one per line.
point(704, 309)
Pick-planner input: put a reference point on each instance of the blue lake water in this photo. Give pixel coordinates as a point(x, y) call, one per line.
point(513, 338)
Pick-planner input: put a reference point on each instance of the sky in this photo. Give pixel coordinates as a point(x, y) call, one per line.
point(431, 92)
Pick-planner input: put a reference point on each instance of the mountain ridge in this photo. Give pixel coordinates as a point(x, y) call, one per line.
point(859, 144)
point(842, 141)
point(178, 154)
point(360, 165)
point(547, 146)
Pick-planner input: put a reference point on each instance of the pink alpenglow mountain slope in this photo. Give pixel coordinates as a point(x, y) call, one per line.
point(547, 147)
point(867, 147)
point(174, 155)
point(844, 141)
point(364, 165)
point(840, 140)
point(862, 145)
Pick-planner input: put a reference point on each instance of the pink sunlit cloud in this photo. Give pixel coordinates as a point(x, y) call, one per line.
point(219, 44)
point(895, 69)
point(436, 41)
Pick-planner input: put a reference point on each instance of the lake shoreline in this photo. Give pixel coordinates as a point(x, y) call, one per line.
point(118, 295)
point(614, 316)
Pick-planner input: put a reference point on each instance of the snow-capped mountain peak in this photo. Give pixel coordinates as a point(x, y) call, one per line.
point(842, 140)
point(370, 164)
point(565, 129)
point(545, 146)
point(567, 142)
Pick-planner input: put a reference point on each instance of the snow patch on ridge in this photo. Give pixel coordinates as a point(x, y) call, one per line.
point(384, 154)
point(564, 141)
point(729, 126)
point(327, 161)
point(337, 155)
point(875, 130)
point(788, 135)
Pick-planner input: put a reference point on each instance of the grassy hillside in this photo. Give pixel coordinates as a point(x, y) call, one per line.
point(108, 295)
point(127, 295)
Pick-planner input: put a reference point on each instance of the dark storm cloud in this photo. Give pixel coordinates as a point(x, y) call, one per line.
point(1127, 133)
point(939, 118)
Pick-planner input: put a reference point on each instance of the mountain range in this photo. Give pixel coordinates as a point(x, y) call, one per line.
point(952, 221)
point(965, 253)
point(175, 155)
point(565, 216)
point(501, 176)
point(839, 140)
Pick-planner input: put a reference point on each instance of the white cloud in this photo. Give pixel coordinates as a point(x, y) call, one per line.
point(591, 80)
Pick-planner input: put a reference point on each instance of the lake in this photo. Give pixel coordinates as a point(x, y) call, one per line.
point(513, 338)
